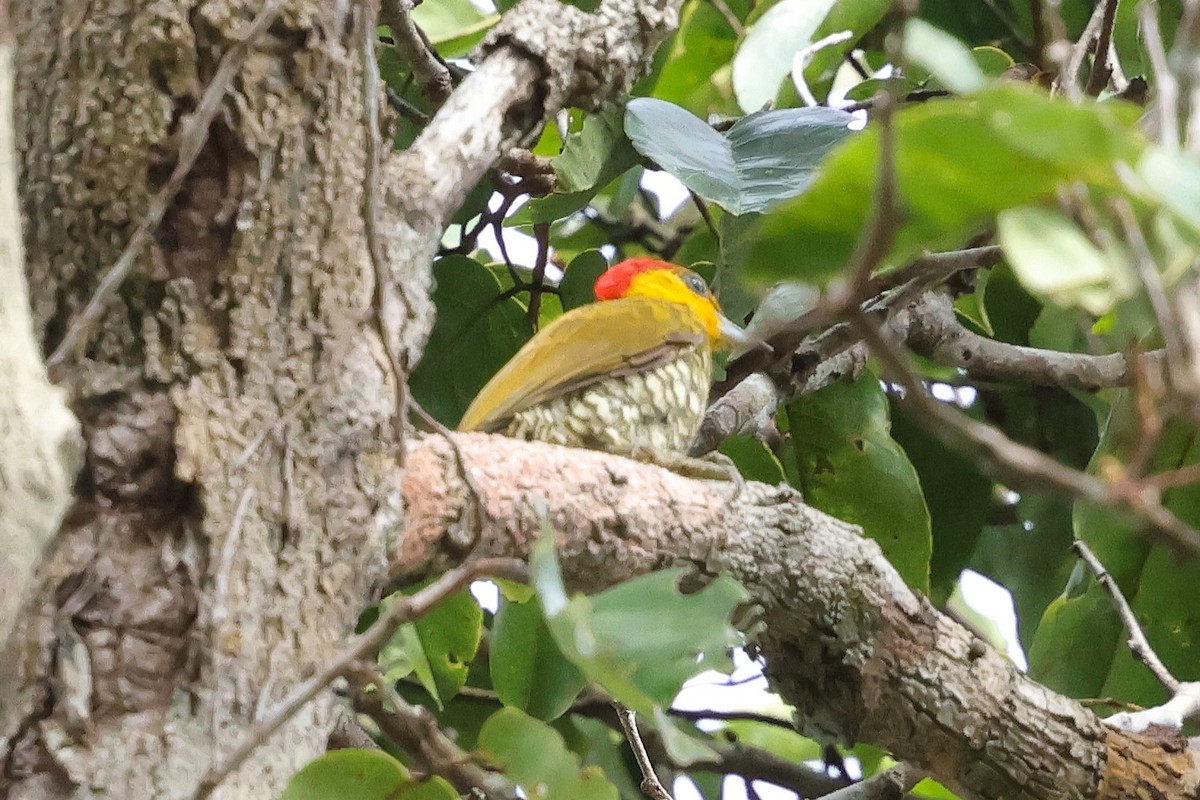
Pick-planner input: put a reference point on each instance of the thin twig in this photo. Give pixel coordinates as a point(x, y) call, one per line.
point(416, 731)
point(431, 75)
point(1184, 703)
point(1038, 24)
point(405, 609)
point(193, 136)
point(1139, 645)
point(705, 214)
point(735, 24)
point(876, 239)
point(389, 305)
point(1016, 464)
point(732, 716)
point(1068, 78)
point(802, 58)
point(651, 785)
point(915, 96)
point(1183, 476)
point(1014, 29)
point(1168, 323)
point(463, 545)
point(1166, 86)
point(1101, 71)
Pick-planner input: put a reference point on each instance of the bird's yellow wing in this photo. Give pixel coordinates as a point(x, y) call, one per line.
point(585, 345)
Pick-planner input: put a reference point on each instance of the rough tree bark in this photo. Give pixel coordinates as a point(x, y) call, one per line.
point(241, 498)
point(240, 493)
point(860, 656)
point(37, 432)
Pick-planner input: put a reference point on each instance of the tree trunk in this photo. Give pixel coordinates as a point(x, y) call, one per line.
point(225, 535)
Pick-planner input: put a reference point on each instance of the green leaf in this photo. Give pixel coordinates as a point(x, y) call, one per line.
point(643, 639)
point(1173, 179)
point(606, 748)
point(529, 672)
point(549, 208)
point(439, 646)
point(596, 155)
point(851, 468)
point(958, 496)
point(950, 157)
point(766, 54)
point(579, 279)
point(454, 27)
point(783, 742)
point(1031, 557)
point(476, 332)
point(684, 743)
point(856, 16)
point(753, 459)
point(1160, 590)
point(362, 775)
point(1054, 258)
point(404, 655)
point(785, 303)
point(762, 160)
point(695, 67)
point(973, 308)
point(946, 58)
point(534, 755)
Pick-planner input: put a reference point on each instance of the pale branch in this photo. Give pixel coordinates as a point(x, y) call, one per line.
point(364, 646)
point(855, 652)
point(1184, 703)
point(431, 75)
point(935, 332)
point(1166, 85)
point(891, 784)
point(543, 56)
point(1102, 64)
point(802, 58)
point(416, 731)
point(1139, 645)
point(192, 138)
point(39, 438)
point(651, 786)
point(1068, 77)
point(929, 326)
point(885, 291)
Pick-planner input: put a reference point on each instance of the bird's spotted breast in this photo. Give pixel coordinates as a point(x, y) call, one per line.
point(660, 409)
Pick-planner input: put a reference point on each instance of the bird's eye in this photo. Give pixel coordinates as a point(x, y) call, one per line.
point(696, 284)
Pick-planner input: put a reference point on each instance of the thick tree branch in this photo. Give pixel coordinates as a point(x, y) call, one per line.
point(40, 446)
point(847, 643)
point(542, 56)
point(935, 332)
point(431, 74)
point(929, 326)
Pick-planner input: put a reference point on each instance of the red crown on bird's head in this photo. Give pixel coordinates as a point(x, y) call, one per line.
point(614, 283)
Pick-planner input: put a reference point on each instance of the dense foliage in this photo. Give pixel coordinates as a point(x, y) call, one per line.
point(991, 130)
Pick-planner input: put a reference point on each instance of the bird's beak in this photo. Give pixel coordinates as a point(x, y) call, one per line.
point(733, 337)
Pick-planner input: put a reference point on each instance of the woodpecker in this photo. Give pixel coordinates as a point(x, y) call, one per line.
point(628, 373)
